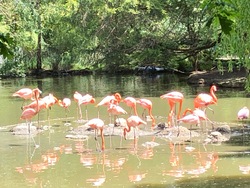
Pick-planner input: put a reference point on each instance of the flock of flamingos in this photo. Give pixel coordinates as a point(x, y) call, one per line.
point(201, 103)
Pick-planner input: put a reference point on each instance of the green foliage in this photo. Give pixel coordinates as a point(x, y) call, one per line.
point(5, 45)
point(6, 41)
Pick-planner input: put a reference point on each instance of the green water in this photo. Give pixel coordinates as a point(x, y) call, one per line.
point(62, 162)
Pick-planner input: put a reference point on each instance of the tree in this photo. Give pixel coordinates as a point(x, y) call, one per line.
point(235, 44)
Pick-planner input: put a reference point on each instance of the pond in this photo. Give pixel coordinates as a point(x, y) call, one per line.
point(55, 160)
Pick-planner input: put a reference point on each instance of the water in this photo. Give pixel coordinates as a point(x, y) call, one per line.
point(62, 162)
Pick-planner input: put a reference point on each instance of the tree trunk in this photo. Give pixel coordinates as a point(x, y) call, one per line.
point(39, 45)
point(39, 54)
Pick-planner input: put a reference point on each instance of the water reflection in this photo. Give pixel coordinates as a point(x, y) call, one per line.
point(33, 167)
point(179, 160)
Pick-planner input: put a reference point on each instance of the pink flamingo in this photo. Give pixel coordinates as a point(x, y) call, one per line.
point(85, 100)
point(200, 113)
point(41, 105)
point(77, 97)
point(147, 104)
point(173, 98)
point(131, 102)
point(132, 121)
point(189, 119)
point(97, 124)
point(106, 100)
point(29, 113)
point(116, 110)
point(204, 99)
point(243, 113)
point(49, 100)
point(65, 103)
point(25, 93)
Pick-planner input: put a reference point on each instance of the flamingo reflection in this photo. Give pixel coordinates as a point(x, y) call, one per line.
point(136, 177)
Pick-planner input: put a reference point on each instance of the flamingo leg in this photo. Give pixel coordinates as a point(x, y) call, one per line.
point(80, 111)
point(86, 112)
point(170, 115)
point(95, 134)
point(103, 141)
point(135, 138)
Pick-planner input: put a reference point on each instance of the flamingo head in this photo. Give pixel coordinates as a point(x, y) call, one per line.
point(213, 88)
point(92, 100)
point(118, 97)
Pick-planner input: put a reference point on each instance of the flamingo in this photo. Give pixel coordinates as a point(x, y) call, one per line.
point(147, 104)
point(106, 100)
point(77, 97)
point(29, 113)
point(115, 110)
point(173, 98)
point(65, 103)
point(97, 124)
point(189, 119)
point(49, 100)
point(41, 105)
point(131, 102)
point(31, 110)
point(132, 121)
point(86, 99)
point(25, 93)
point(200, 113)
point(243, 113)
point(204, 99)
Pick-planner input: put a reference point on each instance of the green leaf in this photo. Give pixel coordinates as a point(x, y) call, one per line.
point(226, 24)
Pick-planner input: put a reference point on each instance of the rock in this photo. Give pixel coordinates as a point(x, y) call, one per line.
point(216, 137)
point(77, 137)
point(224, 129)
point(23, 129)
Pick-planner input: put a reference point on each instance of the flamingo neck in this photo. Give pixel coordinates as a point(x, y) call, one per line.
point(213, 94)
point(125, 130)
point(186, 111)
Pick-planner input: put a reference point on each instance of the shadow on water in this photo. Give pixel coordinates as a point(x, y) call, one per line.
point(208, 182)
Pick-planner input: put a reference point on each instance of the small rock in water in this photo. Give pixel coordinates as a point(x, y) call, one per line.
point(150, 144)
point(224, 129)
point(82, 137)
point(189, 148)
point(23, 129)
point(67, 124)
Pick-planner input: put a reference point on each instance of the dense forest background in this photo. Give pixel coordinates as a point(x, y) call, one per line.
point(114, 35)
